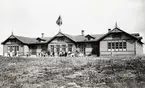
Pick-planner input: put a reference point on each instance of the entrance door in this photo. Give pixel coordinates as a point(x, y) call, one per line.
point(33, 52)
point(82, 48)
point(96, 49)
point(16, 50)
point(57, 48)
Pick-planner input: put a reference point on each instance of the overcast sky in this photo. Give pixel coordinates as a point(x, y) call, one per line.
point(32, 17)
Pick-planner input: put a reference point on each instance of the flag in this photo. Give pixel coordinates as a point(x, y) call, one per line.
point(59, 21)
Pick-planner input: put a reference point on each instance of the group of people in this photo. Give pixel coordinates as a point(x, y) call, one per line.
point(48, 53)
point(60, 54)
point(10, 54)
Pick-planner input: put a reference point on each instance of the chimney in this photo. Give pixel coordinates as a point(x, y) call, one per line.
point(109, 30)
point(82, 32)
point(42, 35)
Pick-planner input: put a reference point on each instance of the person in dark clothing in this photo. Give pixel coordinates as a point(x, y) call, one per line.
point(52, 53)
point(65, 54)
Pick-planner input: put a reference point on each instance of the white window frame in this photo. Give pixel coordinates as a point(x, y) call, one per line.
point(121, 45)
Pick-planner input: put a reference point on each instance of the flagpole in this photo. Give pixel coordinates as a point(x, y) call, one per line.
point(59, 29)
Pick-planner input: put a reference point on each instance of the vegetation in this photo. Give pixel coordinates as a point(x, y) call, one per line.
point(72, 72)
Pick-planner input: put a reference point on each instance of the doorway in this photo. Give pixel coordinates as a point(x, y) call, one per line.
point(96, 49)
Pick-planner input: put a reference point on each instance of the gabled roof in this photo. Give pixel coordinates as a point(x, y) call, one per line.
point(70, 36)
point(24, 40)
point(62, 34)
point(118, 30)
point(40, 39)
point(27, 40)
point(76, 38)
point(115, 30)
point(97, 36)
point(90, 36)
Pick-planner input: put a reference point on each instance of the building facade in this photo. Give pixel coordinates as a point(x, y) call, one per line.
point(114, 43)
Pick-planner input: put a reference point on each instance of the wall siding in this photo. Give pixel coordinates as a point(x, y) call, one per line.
point(139, 48)
point(21, 50)
point(103, 53)
point(26, 49)
point(5, 50)
point(130, 45)
point(103, 46)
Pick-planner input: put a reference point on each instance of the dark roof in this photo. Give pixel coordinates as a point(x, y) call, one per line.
point(76, 38)
point(135, 34)
point(26, 40)
point(36, 40)
point(97, 36)
point(81, 38)
point(70, 36)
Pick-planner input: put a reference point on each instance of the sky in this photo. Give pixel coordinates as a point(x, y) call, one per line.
point(30, 18)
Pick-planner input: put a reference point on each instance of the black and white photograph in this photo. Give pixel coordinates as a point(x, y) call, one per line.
point(72, 44)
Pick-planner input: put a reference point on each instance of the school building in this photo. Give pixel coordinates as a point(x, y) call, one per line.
point(115, 42)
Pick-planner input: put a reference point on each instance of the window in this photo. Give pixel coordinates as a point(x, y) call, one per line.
point(63, 47)
point(17, 48)
point(113, 45)
point(57, 48)
point(109, 45)
point(120, 45)
point(117, 46)
point(52, 48)
point(70, 47)
point(9, 48)
point(13, 48)
point(124, 45)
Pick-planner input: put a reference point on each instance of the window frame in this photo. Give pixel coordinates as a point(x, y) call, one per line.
point(70, 46)
point(117, 45)
point(52, 48)
point(57, 48)
point(63, 47)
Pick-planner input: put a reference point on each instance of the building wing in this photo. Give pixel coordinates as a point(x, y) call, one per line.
point(118, 30)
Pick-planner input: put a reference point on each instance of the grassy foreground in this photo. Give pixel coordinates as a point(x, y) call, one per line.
point(81, 72)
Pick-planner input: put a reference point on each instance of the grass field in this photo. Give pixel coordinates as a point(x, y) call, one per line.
point(70, 72)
